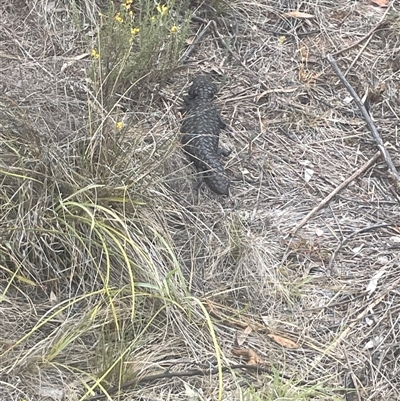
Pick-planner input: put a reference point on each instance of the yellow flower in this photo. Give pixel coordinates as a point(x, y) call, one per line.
point(127, 4)
point(119, 125)
point(174, 29)
point(118, 18)
point(153, 18)
point(95, 54)
point(135, 31)
point(162, 9)
point(282, 40)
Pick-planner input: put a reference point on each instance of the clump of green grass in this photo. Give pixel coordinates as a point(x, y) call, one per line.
point(83, 234)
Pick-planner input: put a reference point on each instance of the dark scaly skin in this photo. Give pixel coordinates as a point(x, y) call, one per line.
point(201, 129)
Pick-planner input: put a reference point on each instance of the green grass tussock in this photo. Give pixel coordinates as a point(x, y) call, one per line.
point(81, 233)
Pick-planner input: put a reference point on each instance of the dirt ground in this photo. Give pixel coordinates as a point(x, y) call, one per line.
point(319, 305)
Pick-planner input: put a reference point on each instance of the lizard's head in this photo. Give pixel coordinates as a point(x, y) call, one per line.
point(202, 87)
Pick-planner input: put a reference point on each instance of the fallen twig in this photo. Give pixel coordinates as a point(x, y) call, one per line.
point(187, 373)
point(358, 56)
point(221, 40)
point(219, 36)
point(356, 320)
point(228, 48)
point(324, 201)
point(385, 154)
point(351, 382)
point(190, 49)
point(368, 35)
point(346, 239)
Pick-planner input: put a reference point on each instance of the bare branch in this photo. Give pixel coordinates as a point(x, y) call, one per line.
point(324, 201)
point(385, 154)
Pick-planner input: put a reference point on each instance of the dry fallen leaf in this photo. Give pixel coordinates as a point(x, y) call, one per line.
point(248, 355)
point(380, 3)
point(371, 287)
point(374, 342)
point(375, 94)
point(298, 14)
point(304, 54)
point(210, 306)
point(51, 392)
point(241, 336)
point(191, 393)
point(308, 173)
point(73, 60)
point(263, 125)
point(358, 249)
point(53, 298)
point(285, 342)
point(397, 229)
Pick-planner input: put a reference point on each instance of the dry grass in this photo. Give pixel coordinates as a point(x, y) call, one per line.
point(114, 267)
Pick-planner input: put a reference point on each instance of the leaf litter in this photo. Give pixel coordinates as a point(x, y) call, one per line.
point(239, 254)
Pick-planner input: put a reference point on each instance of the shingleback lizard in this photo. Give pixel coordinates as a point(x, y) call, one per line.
point(201, 128)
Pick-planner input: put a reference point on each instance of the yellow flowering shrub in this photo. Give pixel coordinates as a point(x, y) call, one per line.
point(162, 9)
point(137, 39)
point(118, 18)
point(95, 54)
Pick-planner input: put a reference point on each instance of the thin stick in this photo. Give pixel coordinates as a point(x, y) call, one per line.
point(188, 373)
point(359, 317)
point(358, 56)
point(346, 239)
point(220, 38)
point(228, 48)
point(187, 53)
point(354, 381)
point(369, 34)
point(385, 154)
point(324, 201)
point(258, 96)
